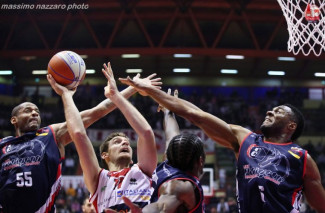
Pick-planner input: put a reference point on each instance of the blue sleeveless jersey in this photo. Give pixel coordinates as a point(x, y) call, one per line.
point(269, 176)
point(30, 173)
point(165, 172)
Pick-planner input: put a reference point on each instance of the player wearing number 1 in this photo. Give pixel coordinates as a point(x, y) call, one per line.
point(30, 172)
point(272, 171)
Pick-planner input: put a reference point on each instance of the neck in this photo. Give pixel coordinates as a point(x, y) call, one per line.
point(117, 166)
point(282, 138)
point(19, 133)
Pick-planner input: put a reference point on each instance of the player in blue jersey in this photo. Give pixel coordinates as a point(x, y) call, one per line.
point(30, 173)
point(107, 187)
point(177, 187)
point(272, 171)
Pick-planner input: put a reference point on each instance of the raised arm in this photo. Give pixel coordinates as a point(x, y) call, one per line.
point(77, 131)
point(146, 146)
point(313, 189)
point(92, 115)
point(170, 124)
point(218, 130)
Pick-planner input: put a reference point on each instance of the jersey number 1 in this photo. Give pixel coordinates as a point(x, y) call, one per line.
point(24, 179)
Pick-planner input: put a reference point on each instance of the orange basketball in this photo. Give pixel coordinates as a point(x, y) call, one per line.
point(67, 68)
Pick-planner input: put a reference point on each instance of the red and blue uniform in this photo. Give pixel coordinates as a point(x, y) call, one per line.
point(269, 176)
point(164, 172)
point(30, 173)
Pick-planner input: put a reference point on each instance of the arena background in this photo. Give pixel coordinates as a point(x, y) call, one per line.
point(209, 30)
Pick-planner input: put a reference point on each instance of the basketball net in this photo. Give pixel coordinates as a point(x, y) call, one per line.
point(305, 20)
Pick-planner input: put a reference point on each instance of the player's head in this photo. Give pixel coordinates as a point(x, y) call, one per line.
point(88, 207)
point(283, 119)
point(116, 149)
point(186, 152)
point(26, 117)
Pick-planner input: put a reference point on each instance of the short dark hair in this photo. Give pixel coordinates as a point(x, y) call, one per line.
point(16, 109)
point(184, 150)
point(299, 119)
point(105, 145)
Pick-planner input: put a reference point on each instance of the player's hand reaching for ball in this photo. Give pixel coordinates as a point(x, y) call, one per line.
point(59, 89)
point(141, 83)
point(111, 88)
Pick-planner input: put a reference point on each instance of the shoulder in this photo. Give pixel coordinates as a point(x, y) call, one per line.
point(239, 131)
point(178, 187)
point(8, 138)
point(312, 171)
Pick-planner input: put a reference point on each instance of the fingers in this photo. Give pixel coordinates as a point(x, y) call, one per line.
point(159, 108)
point(176, 93)
point(127, 81)
point(128, 202)
point(155, 79)
point(105, 74)
point(169, 91)
point(51, 80)
point(107, 70)
point(151, 76)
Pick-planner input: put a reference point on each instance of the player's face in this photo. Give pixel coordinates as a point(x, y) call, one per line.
point(88, 207)
point(27, 118)
point(119, 149)
point(277, 118)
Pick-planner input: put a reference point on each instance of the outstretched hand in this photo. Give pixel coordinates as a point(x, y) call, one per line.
point(111, 88)
point(162, 108)
point(141, 83)
point(59, 89)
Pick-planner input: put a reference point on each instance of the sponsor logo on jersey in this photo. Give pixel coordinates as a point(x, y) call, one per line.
point(103, 188)
point(133, 192)
point(269, 162)
point(23, 154)
point(133, 181)
point(296, 152)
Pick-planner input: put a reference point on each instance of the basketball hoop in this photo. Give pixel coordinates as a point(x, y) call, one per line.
point(306, 25)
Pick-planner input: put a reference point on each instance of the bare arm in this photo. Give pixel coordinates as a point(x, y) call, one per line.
point(314, 191)
point(170, 124)
point(215, 128)
point(77, 131)
point(102, 109)
point(146, 146)
point(89, 116)
point(174, 194)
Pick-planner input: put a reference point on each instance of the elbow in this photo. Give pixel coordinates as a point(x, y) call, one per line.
point(78, 135)
point(148, 133)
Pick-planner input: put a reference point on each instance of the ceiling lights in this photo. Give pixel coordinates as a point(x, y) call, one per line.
point(5, 72)
point(133, 70)
point(229, 71)
point(273, 72)
point(183, 70)
point(130, 55)
point(238, 57)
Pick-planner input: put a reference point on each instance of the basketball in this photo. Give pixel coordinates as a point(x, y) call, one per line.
point(67, 68)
